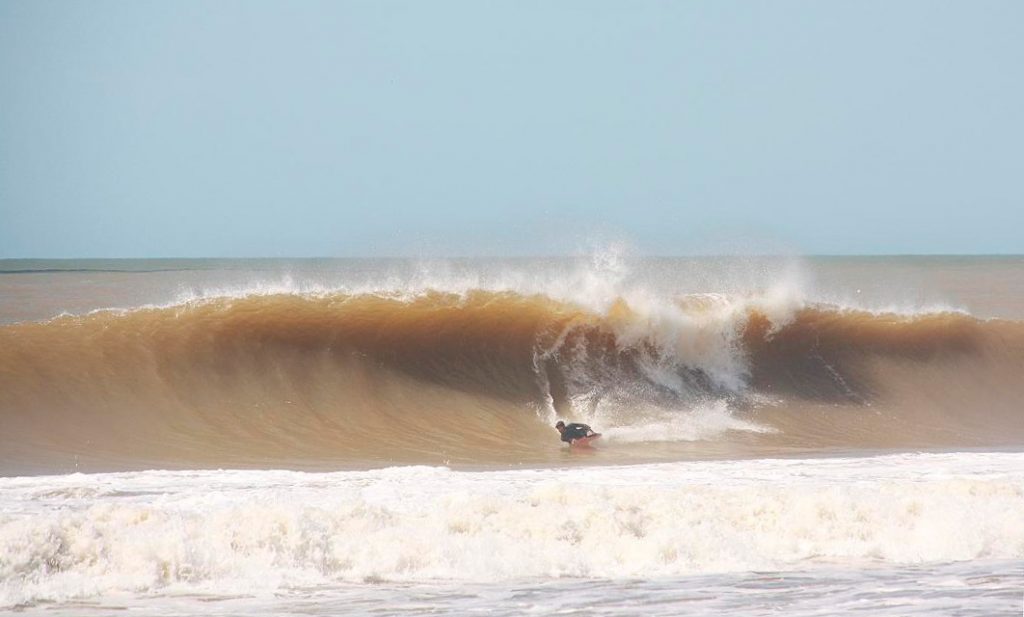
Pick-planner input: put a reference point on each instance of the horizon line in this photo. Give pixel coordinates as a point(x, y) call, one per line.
point(523, 256)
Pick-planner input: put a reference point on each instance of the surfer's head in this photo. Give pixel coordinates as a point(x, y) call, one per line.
point(560, 426)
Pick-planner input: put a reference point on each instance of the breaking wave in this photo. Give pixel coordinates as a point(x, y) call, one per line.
point(478, 376)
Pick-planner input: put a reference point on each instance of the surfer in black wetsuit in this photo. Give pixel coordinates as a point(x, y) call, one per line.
point(572, 432)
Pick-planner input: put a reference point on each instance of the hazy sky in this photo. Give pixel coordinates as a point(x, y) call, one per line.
point(444, 128)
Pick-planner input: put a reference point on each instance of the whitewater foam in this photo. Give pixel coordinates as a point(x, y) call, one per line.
point(74, 536)
point(700, 422)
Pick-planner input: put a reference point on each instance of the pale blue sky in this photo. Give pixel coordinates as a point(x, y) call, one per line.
point(528, 127)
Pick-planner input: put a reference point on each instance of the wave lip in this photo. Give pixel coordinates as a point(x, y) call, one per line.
point(249, 531)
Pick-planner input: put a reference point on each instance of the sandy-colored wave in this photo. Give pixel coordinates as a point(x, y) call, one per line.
point(475, 378)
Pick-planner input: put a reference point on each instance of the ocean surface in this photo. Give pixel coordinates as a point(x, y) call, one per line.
point(782, 435)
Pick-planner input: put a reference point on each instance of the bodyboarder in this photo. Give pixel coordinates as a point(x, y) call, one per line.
point(575, 433)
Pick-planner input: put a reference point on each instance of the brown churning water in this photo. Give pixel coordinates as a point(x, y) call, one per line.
point(347, 378)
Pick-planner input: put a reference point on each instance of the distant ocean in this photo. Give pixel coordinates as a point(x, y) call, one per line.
point(798, 436)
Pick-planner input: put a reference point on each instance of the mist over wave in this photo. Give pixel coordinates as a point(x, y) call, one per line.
point(471, 369)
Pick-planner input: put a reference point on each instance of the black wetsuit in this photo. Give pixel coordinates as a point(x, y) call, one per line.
point(576, 431)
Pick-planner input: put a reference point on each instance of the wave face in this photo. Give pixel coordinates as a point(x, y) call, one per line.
point(477, 377)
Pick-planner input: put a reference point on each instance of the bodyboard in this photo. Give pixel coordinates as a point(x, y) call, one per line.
point(585, 442)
